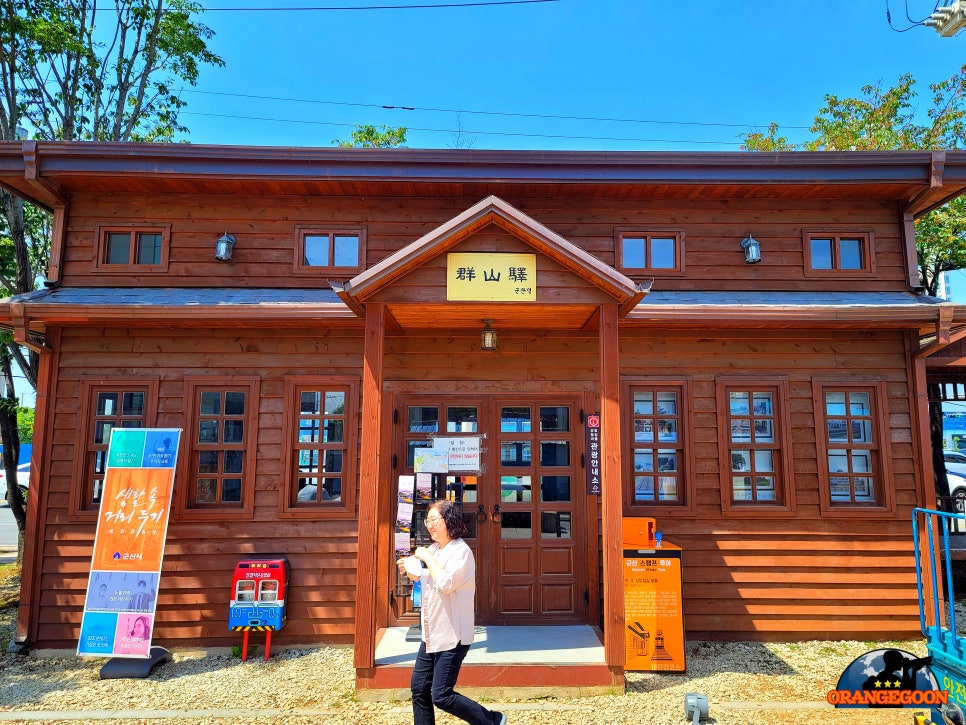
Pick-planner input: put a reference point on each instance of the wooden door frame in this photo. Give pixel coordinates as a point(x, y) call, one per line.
point(486, 398)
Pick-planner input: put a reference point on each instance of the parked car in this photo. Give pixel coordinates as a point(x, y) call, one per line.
point(23, 478)
point(957, 489)
point(955, 461)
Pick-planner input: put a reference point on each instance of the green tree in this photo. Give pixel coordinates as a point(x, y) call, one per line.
point(885, 120)
point(370, 137)
point(72, 71)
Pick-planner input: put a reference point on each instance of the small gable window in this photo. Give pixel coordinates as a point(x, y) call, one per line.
point(651, 252)
point(843, 254)
point(132, 248)
point(329, 249)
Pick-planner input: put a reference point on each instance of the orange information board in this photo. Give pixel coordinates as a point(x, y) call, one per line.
point(654, 635)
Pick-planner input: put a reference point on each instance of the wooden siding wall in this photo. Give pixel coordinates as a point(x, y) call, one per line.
point(200, 556)
point(265, 230)
point(800, 575)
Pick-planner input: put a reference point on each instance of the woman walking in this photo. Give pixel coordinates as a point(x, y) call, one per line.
point(448, 584)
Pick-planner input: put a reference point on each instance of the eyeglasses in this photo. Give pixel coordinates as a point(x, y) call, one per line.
point(430, 520)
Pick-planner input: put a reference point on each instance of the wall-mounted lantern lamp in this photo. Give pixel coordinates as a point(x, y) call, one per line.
point(224, 246)
point(752, 250)
point(488, 336)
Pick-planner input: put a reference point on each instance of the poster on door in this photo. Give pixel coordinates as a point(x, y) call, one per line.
point(132, 524)
point(464, 453)
point(654, 632)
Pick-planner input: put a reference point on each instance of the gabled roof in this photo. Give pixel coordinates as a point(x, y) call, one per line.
point(492, 210)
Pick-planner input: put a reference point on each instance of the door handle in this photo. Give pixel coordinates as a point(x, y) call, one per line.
point(497, 516)
point(481, 514)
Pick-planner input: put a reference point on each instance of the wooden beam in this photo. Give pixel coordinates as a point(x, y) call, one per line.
point(611, 492)
point(907, 228)
point(371, 461)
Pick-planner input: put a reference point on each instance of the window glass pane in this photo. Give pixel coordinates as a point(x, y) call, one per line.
point(555, 525)
point(132, 404)
point(334, 431)
point(644, 488)
point(423, 419)
point(465, 484)
point(309, 430)
point(334, 403)
point(208, 431)
point(740, 460)
point(308, 489)
point(234, 403)
point(316, 250)
point(835, 403)
point(859, 404)
point(662, 252)
point(234, 431)
point(332, 489)
point(837, 431)
point(515, 420)
point(102, 432)
point(764, 461)
point(106, 404)
point(632, 252)
point(861, 431)
point(346, 250)
point(838, 462)
point(739, 403)
point(740, 430)
point(118, 248)
point(864, 490)
point(554, 488)
point(763, 404)
point(310, 402)
point(643, 460)
point(764, 430)
point(461, 419)
point(554, 453)
point(765, 488)
point(515, 453)
point(643, 404)
point(516, 525)
point(210, 403)
point(98, 489)
point(850, 253)
point(208, 462)
point(100, 461)
point(332, 463)
point(206, 490)
point(861, 462)
point(667, 460)
point(231, 490)
point(667, 488)
point(643, 430)
point(741, 488)
point(233, 462)
point(515, 489)
point(667, 429)
point(821, 251)
point(148, 248)
point(840, 488)
point(667, 403)
point(554, 418)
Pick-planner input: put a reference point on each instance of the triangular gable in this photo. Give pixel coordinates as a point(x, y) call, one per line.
point(492, 210)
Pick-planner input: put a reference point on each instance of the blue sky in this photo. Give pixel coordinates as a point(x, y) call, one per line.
point(680, 75)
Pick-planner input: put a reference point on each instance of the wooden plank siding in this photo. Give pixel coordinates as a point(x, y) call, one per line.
point(265, 230)
point(757, 575)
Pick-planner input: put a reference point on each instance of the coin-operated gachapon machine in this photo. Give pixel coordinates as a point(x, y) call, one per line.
point(258, 598)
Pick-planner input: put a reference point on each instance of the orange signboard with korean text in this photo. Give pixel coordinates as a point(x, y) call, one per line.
point(132, 524)
point(654, 632)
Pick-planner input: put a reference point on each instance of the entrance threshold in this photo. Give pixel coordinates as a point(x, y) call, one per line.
point(567, 661)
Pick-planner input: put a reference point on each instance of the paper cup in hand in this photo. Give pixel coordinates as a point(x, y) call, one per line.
point(413, 566)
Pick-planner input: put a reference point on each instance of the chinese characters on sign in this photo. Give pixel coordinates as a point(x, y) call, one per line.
point(491, 277)
point(592, 434)
point(129, 543)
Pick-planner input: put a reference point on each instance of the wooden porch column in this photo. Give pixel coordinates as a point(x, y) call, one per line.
point(370, 466)
point(611, 492)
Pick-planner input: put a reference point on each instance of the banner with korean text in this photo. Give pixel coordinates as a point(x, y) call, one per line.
point(129, 543)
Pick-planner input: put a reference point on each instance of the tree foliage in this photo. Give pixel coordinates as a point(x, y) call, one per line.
point(886, 119)
point(79, 70)
point(370, 137)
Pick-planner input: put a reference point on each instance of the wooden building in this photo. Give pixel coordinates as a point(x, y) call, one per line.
point(770, 413)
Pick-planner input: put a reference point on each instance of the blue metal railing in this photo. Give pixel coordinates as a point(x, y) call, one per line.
point(930, 533)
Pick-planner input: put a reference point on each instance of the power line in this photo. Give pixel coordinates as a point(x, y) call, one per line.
point(508, 114)
point(327, 8)
point(466, 132)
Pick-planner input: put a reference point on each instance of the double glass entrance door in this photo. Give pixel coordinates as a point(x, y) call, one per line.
point(523, 507)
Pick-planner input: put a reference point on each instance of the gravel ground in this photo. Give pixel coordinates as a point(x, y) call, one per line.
point(746, 683)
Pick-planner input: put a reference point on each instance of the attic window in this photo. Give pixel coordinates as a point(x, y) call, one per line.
point(838, 254)
point(132, 248)
point(650, 252)
point(329, 249)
